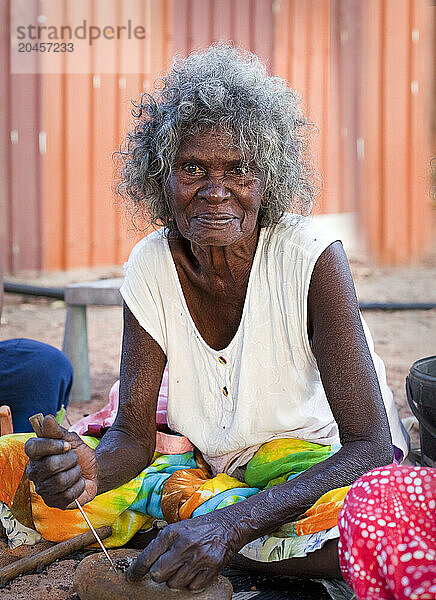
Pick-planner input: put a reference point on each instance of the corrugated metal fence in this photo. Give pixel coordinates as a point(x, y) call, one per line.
point(397, 100)
point(363, 69)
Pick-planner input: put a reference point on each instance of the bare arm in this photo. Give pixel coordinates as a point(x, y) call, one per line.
point(352, 389)
point(344, 360)
point(128, 446)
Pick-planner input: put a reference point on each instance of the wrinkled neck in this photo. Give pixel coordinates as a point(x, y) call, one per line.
point(224, 262)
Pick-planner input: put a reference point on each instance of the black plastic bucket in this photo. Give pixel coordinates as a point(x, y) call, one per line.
point(421, 395)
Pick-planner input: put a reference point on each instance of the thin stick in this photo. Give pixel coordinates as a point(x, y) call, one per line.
point(95, 535)
point(46, 557)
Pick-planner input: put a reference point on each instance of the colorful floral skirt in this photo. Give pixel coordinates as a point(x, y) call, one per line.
point(175, 487)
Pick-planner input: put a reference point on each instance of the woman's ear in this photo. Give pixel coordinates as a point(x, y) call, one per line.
point(168, 205)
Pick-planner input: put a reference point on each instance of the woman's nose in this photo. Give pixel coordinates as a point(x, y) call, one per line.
point(215, 192)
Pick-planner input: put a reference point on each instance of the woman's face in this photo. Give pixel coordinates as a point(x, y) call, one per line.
point(215, 202)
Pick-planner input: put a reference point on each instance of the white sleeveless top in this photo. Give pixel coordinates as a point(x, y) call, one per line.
point(265, 384)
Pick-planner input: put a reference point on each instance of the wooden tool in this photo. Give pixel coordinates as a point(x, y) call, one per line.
point(46, 557)
point(6, 426)
point(36, 422)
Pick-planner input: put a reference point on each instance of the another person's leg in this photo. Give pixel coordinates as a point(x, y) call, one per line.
point(34, 377)
point(319, 564)
point(387, 529)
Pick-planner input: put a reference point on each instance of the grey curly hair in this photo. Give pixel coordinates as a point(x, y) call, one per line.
point(228, 88)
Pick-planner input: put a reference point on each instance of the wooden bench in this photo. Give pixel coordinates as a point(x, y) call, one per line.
point(78, 296)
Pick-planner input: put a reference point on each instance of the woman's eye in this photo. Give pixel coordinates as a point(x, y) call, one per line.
point(192, 169)
point(241, 170)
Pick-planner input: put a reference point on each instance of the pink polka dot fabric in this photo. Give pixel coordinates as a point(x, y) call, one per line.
point(387, 546)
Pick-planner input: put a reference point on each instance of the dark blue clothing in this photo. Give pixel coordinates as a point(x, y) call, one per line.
point(34, 377)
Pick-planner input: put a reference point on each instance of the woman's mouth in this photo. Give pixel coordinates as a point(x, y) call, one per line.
point(215, 220)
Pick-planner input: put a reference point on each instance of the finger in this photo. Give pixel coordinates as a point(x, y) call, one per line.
point(59, 462)
point(60, 482)
point(52, 429)
point(65, 499)
point(37, 448)
point(166, 566)
point(74, 492)
point(201, 580)
point(86, 496)
point(142, 564)
point(182, 578)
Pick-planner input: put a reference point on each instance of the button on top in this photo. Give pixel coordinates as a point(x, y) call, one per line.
point(222, 360)
point(225, 391)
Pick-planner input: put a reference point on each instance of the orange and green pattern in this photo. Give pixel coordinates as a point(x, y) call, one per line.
point(174, 485)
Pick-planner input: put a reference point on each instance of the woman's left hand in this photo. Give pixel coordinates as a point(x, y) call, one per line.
point(187, 554)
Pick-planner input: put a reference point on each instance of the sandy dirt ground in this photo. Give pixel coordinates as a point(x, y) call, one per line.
point(400, 339)
point(54, 582)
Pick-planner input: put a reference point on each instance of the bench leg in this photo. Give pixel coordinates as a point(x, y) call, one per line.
point(75, 346)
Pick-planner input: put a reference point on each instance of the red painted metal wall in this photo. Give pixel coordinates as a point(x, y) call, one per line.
point(306, 53)
point(85, 117)
point(363, 69)
point(20, 183)
point(248, 23)
point(395, 126)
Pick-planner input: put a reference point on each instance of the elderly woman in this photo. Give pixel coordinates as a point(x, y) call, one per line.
point(255, 313)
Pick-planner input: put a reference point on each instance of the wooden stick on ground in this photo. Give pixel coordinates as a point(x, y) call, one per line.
point(46, 557)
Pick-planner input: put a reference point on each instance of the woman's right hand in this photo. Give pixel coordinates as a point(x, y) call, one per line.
point(61, 466)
